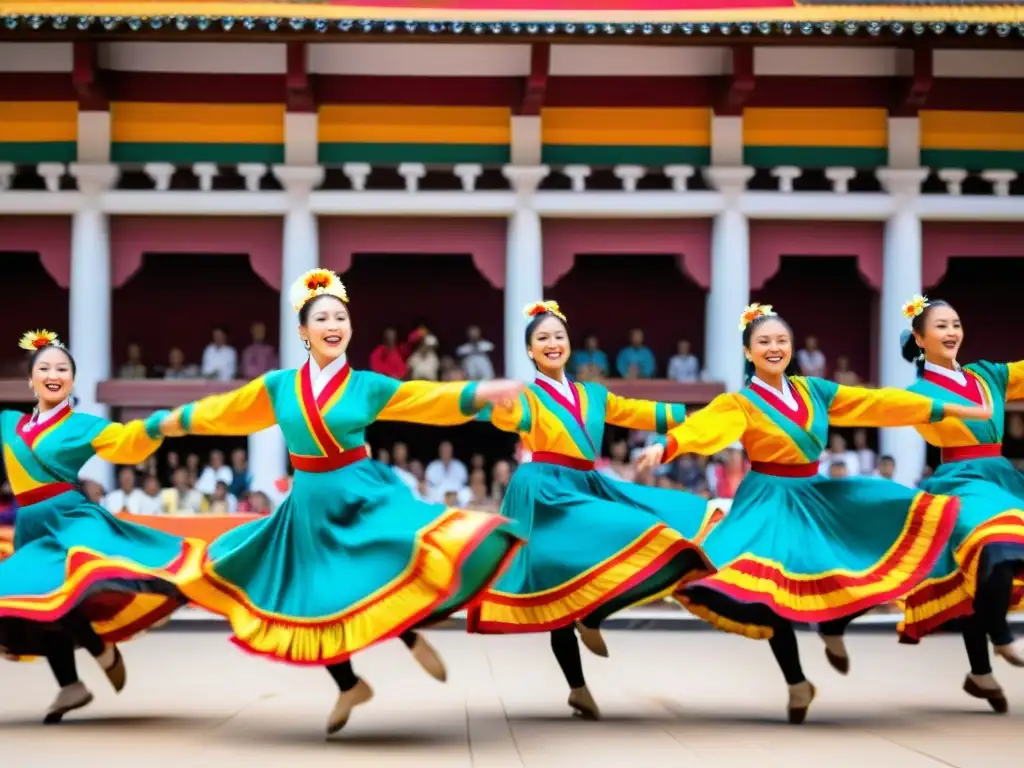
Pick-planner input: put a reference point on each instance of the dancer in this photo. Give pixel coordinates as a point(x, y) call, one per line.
point(796, 546)
point(974, 578)
point(595, 545)
point(350, 557)
point(78, 574)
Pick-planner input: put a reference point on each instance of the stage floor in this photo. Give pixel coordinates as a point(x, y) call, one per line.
point(696, 699)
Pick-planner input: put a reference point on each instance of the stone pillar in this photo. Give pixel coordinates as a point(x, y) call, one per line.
point(730, 278)
point(300, 253)
point(901, 279)
point(89, 325)
point(524, 266)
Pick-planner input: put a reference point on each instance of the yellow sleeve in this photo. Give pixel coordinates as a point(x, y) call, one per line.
point(711, 429)
point(518, 417)
point(646, 415)
point(861, 407)
point(130, 443)
point(1015, 381)
point(426, 402)
point(241, 411)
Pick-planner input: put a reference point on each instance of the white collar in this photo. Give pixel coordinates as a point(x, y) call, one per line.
point(956, 374)
point(43, 417)
point(319, 378)
point(785, 394)
point(563, 387)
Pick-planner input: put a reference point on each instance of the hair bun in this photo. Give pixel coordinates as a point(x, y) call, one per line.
point(908, 346)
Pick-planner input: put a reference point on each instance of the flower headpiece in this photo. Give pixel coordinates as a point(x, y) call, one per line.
point(754, 311)
point(316, 282)
point(36, 340)
point(540, 307)
point(915, 306)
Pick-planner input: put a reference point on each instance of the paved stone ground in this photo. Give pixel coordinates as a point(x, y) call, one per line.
point(698, 699)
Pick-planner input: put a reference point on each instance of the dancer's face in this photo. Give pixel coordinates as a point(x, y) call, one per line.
point(771, 348)
point(328, 329)
point(942, 336)
point(52, 377)
point(549, 347)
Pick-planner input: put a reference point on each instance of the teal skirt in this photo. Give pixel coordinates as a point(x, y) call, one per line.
point(990, 531)
point(811, 549)
point(70, 553)
point(595, 545)
point(349, 559)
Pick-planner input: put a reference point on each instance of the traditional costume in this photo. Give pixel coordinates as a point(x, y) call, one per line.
point(595, 545)
point(974, 578)
point(797, 546)
point(78, 572)
point(350, 557)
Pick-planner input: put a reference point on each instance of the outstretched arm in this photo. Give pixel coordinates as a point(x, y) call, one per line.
point(861, 407)
point(129, 443)
point(646, 415)
point(1015, 380)
point(444, 404)
point(241, 411)
point(514, 416)
point(710, 430)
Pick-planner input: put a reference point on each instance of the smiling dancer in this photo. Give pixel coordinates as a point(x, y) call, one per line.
point(796, 546)
point(974, 579)
point(78, 574)
point(350, 557)
point(595, 545)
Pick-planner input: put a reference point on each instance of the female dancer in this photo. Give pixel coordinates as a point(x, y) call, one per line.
point(795, 546)
point(78, 574)
point(595, 545)
point(974, 579)
point(350, 557)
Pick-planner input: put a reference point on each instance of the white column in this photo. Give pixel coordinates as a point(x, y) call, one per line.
point(524, 266)
point(90, 297)
point(300, 253)
point(730, 278)
point(901, 279)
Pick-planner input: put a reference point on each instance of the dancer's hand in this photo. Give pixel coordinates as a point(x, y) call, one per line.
point(171, 425)
point(501, 392)
point(650, 458)
point(967, 412)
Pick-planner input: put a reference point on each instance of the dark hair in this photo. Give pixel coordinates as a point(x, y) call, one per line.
point(886, 457)
point(537, 320)
point(753, 325)
point(39, 352)
point(307, 308)
point(908, 344)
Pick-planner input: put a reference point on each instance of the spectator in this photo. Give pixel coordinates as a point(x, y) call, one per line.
point(386, 357)
point(423, 361)
point(620, 467)
point(222, 501)
point(474, 496)
point(220, 360)
point(258, 503)
point(838, 454)
point(150, 502)
point(501, 476)
point(127, 497)
point(214, 472)
point(176, 367)
point(684, 366)
point(445, 473)
point(810, 359)
point(181, 498)
point(689, 473)
point(886, 468)
point(400, 466)
point(475, 356)
point(450, 370)
point(635, 361)
point(729, 473)
point(843, 374)
point(259, 357)
point(838, 470)
point(133, 367)
point(866, 458)
point(590, 362)
point(241, 477)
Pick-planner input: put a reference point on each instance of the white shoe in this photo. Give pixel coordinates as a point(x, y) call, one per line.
point(349, 700)
point(1010, 652)
point(583, 704)
point(800, 697)
point(71, 697)
point(427, 657)
point(592, 638)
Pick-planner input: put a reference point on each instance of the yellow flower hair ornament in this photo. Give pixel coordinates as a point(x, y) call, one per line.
point(754, 311)
point(316, 282)
point(915, 306)
point(540, 307)
point(32, 341)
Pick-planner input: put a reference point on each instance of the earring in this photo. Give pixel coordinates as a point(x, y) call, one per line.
point(305, 343)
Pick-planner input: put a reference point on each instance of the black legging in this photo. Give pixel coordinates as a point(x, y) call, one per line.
point(991, 604)
point(787, 652)
point(59, 647)
point(345, 676)
point(566, 648)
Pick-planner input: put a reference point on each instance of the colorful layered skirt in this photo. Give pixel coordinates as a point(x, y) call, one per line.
point(595, 546)
point(70, 553)
point(349, 559)
point(809, 549)
point(989, 532)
